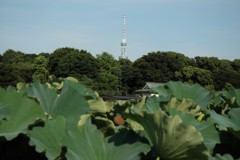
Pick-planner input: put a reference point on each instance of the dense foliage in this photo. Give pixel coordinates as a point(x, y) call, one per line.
point(107, 75)
point(69, 121)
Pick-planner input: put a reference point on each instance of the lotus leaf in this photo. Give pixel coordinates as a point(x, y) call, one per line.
point(152, 103)
point(20, 85)
point(161, 91)
point(71, 103)
point(134, 125)
point(17, 113)
point(197, 93)
point(98, 105)
point(207, 128)
point(230, 123)
point(48, 139)
point(170, 137)
point(72, 79)
point(227, 122)
point(88, 143)
point(184, 105)
point(149, 104)
point(232, 97)
point(224, 157)
point(105, 125)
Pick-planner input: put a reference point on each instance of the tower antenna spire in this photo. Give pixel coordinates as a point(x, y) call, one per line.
point(124, 41)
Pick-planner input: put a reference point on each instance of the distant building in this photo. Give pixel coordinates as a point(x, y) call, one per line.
point(146, 90)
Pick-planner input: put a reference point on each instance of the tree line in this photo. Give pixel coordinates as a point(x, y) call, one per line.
point(108, 75)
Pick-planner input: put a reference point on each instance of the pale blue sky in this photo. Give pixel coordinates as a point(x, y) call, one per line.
point(191, 27)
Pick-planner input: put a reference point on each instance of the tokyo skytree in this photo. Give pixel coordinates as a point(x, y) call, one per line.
point(124, 41)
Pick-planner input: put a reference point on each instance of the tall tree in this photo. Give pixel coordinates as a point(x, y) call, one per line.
point(40, 67)
point(109, 74)
point(125, 75)
point(55, 57)
point(107, 62)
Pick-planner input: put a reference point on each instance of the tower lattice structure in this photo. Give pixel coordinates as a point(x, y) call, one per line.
point(124, 41)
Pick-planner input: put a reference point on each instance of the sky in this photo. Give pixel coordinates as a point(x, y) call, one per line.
point(192, 27)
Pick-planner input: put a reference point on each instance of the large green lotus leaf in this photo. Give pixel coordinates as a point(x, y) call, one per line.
point(44, 95)
point(161, 91)
point(220, 157)
point(197, 93)
point(48, 139)
point(140, 105)
point(233, 94)
point(207, 128)
point(88, 143)
point(152, 103)
point(72, 79)
point(227, 122)
point(71, 103)
point(20, 85)
point(149, 104)
point(105, 125)
point(4, 111)
point(134, 125)
point(220, 103)
point(184, 105)
point(17, 113)
point(170, 137)
point(84, 119)
point(230, 123)
point(98, 105)
point(126, 135)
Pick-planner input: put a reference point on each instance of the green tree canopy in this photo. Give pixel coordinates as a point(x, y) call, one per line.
point(29, 58)
point(222, 77)
point(40, 67)
point(236, 65)
point(158, 66)
point(212, 63)
point(209, 63)
point(8, 76)
point(11, 56)
point(108, 77)
point(65, 62)
point(11, 74)
point(125, 75)
point(195, 75)
point(107, 62)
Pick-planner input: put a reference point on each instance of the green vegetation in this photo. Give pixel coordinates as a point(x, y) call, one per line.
point(65, 120)
point(45, 113)
point(107, 75)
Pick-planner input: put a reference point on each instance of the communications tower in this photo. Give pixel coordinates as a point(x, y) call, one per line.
point(124, 41)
